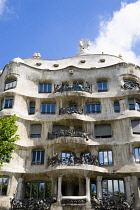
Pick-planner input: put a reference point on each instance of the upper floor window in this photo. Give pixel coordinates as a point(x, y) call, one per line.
point(78, 86)
point(3, 185)
point(10, 84)
point(38, 190)
point(113, 188)
point(135, 126)
point(116, 107)
point(103, 131)
point(36, 130)
point(67, 158)
point(48, 109)
point(7, 102)
point(137, 154)
point(45, 88)
point(134, 104)
point(32, 107)
point(38, 157)
point(93, 108)
point(105, 157)
point(102, 86)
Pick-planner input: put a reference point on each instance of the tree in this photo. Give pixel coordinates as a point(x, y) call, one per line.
point(8, 136)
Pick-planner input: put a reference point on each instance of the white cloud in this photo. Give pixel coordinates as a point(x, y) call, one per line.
point(121, 33)
point(2, 6)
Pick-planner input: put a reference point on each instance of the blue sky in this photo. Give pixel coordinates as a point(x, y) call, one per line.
point(54, 27)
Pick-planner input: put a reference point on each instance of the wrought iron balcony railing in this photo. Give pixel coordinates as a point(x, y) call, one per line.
point(73, 160)
point(73, 201)
point(65, 133)
point(75, 87)
point(71, 110)
point(131, 85)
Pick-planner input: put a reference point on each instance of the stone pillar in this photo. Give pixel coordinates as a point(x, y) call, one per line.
point(88, 189)
point(128, 188)
point(99, 187)
point(59, 195)
point(53, 186)
point(20, 190)
point(81, 186)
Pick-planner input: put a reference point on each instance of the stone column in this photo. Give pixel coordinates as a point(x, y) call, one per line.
point(99, 187)
point(59, 195)
point(128, 188)
point(88, 189)
point(20, 190)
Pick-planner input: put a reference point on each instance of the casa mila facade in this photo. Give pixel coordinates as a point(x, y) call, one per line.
point(79, 127)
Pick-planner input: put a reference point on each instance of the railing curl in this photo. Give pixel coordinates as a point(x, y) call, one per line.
point(130, 85)
point(75, 87)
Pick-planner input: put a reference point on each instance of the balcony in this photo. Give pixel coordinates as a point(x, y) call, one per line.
point(71, 110)
point(75, 87)
point(65, 133)
point(72, 160)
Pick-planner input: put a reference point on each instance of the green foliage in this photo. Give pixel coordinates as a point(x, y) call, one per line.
point(8, 136)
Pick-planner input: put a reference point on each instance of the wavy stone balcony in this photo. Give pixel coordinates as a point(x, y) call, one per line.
point(65, 133)
point(75, 87)
point(72, 160)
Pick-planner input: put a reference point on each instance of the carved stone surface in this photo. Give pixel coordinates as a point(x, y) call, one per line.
point(73, 160)
point(72, 133)
point(32, 204)
point(131, 85)
point(71, 110)
point(111, 204)
point(76, 87)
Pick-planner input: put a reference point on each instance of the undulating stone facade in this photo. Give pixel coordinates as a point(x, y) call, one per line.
point(79, 127)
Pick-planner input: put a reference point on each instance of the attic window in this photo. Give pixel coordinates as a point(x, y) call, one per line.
point(102, 60)
point(56, 65)
point(82, 61)
point(38, 64)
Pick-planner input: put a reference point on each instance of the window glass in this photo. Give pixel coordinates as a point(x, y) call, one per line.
point(38, 157)
point(32, 108)
point(3, 185)
point(137, 155)
point(78, 86)
point(135, 126)
point(134, 104)
point(48, 109)
point(102, 86)
point(38, 190)
point(8, 102)
point(116, 107)
point(105, 157)
point(93, 108)
point(10, 84)
point(45, 88)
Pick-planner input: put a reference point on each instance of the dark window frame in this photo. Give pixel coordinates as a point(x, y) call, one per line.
point(11, 84)
point(3, 191)
point(102, 86)
point(93, 108)
point(49, 108)
point(45, 88)
point(38, 157)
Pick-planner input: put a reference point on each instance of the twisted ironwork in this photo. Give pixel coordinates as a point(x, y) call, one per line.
point(131, 85)
point(32, 203)
point(73, 160)
point(75, 87)
point(73, 201)
point(64, 133)
point(111, 204)
point(71, 110)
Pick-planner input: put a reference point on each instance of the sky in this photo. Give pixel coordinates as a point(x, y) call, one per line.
point(54, 28)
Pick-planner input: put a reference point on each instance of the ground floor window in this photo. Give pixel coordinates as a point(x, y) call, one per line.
point(93, 188)
point(113, 188)
point(38, 189)
point(3, 185)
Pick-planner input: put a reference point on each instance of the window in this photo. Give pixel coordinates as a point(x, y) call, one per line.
point(78, 86)
point(38, 157)
point(116, 107)
point(45, 88)
point(105, 157)
point(103, 131)
point(135, 126)
point(36, 130)
point(3, 185)
point(8, 102)
point(130, 84)
point(38, 190)
point(32, 108)
point(48, 109)
point(102, 86)
point(134, 104)
point(10, 84)
point(113, 188)
point(93, 108)
point(137, 154)
point(67, 158)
